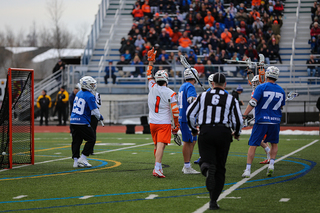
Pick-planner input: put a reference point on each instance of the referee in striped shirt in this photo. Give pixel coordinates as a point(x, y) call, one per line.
point(219, 116)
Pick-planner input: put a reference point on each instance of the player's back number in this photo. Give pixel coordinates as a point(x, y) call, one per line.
point(78, 106)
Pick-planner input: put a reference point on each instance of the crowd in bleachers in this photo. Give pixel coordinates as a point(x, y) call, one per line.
point(205, 31)
point(314, 41)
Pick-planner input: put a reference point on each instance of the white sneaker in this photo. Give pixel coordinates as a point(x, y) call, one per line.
point(75, 164)
point(246, 174)
point(189, 170)
point(270, 170)
point(83, 163)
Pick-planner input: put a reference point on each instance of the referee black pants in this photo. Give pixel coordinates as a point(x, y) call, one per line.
point(80, 133)
point(214, 143)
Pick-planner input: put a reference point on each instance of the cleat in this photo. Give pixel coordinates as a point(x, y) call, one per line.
point(270, 170)
point(83, 163)
point(210, 180)
point(189, 170)
point(213, 206)
point(197, 161)
point(246, 174)
point(75, 165)
point(267, 161)
point(158, 173)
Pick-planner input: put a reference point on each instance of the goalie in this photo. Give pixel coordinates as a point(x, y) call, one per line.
point(159, 112)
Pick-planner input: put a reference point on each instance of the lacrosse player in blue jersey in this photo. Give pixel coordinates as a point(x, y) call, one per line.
point(187, 93)
point(84, 106)
point(267, 100)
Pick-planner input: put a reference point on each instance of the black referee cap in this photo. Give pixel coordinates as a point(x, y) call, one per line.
point(219, 78)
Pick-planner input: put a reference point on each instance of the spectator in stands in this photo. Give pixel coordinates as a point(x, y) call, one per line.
point(252, 53)
point(231, 48)
point(166, 19)
point(276, 28)
point(163, 53)
point(264, 51)
point(61, 105)
point(176, 23)
point(204, 44)
point(137, 13)
point(229, 21)
point(241, 47)
point(179, 16)
point(130, 47)
point(270, 7)
point(154, 6)
point(235, 58)
point(250, 22)
point(199, 20)
point(274, 50)
point(244, 29)
point(223, 56)
point(170, 6)
point(255, 3)
point(139, 42)
point(311, 69)
point(217, 61)
point(222, 45)
point(139, 69)
point(168, 29)
point(44, 103)
point(314, 20)
point(218, 30)
point(164, 64)
point(193, 55)
point(200, 68)
point(278, 8)
point(313, 44)
point(240, 39)
point(214, 42)
point(110, 70)
point(314, 9)
point(140, 25)
point(197, 35)
point(241, 16)
point(127, 55)
point(157, 22)
point(72, 97)
point(175, 37)
point(196, 49)
point(255, 13)
point(208, 30)
point(220, 19)
point(146, 9)
point(235, 93)
point(241, 5)
point(184, 43)
point(236, 34)
point(152, 36)
point(209, 69)
point(162, 6)
point(252, 40)
point(232, 10)
point(190, 21)
point(120, 68)
point(164, 39)
point(209, 19)
point(226, 36)
point(257, 24)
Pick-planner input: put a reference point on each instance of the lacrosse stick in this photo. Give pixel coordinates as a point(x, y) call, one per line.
point(185, 63)
point(176, 137)
point(102, 124)
point(291, 95)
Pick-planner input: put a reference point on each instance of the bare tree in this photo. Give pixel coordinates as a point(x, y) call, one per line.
point(45, 37)
point(80, 37)
point(10, 37)
point(32, 37)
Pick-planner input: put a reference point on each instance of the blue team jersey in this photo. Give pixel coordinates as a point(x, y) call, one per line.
point(83, 103)
point(270, 97)
point(186, 91)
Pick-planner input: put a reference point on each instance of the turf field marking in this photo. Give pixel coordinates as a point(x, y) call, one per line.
point(86, 197)
point(152, 196)
point(20, 196)
point(244, 180)
point(284, 199)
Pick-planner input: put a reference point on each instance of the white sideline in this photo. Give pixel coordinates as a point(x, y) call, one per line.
point(238, 184)
point(113, 150)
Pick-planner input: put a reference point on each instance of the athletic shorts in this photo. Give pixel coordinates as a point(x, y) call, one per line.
point(260, 130)
point(161, 133)
point(186, 133)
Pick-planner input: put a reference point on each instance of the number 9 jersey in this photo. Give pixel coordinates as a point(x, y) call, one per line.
point(83, 104)
point(159, 108)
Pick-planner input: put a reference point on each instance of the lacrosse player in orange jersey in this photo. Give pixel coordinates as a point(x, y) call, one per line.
point(160, 112)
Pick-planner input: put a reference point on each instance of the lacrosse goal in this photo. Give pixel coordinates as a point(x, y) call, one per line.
point(17, 119)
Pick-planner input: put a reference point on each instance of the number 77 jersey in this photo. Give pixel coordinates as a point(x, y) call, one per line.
point(270, 99)
point(159, 108)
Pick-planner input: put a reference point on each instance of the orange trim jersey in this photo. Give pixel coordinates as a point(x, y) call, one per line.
point(159, 109)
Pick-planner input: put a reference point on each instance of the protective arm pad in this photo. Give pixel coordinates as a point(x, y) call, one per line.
point(190, 99)
point(96, 113)
point(253, 102)
point(149, 72)
point(175, 114)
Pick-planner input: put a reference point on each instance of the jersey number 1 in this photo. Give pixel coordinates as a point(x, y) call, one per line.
point(157, 104)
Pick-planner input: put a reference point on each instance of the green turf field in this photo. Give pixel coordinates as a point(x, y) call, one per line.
point(121, 179)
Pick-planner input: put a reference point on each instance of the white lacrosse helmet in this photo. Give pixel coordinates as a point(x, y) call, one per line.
point(255, 81)
point(189, 75)
point(161, 75)
point(210, 79)
point(273, 72)
point(88, 83)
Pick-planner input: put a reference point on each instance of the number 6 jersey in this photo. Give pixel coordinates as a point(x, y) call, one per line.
point(159, 109)
point(83, 103)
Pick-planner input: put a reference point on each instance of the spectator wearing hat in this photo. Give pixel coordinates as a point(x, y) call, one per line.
point(236, 93)
point(209, 19)
point(241, 16)
point(184, 43)
point(276, 27)
point(110, 70)
point(218, 30)
point(311, 69)
point(274, 50)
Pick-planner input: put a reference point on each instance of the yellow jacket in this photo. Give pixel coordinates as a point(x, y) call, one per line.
point(62, 97)
point(44, 101)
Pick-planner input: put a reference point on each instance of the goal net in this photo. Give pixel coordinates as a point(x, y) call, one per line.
point(17, 119)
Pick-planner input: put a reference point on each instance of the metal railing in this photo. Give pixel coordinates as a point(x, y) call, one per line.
point(95, 31)
point(294, 37)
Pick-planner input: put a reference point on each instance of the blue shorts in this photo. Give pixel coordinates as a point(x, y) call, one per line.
point(260, 130)
point(186, 133)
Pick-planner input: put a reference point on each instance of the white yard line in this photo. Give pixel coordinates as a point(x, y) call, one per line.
point(244, 180)
point(96, 153)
